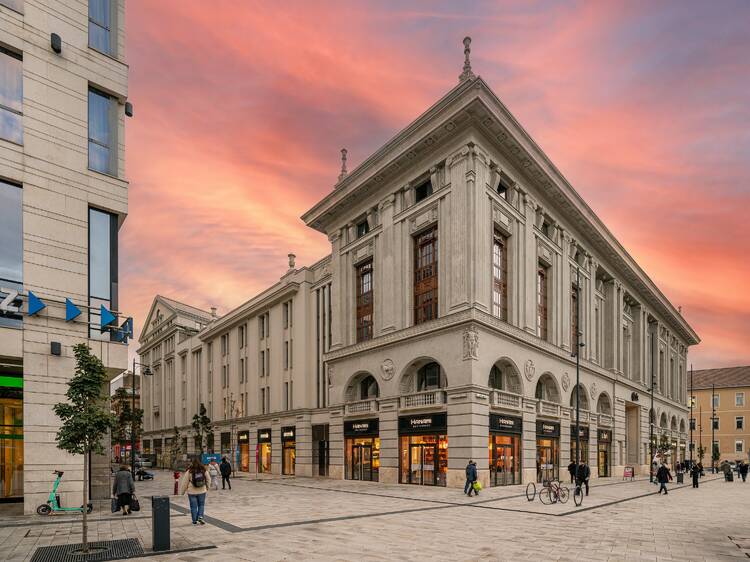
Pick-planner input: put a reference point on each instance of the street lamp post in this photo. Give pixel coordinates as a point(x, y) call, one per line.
point(651, 415)
point(692, 421)
point(145, 370)
point(713, 428)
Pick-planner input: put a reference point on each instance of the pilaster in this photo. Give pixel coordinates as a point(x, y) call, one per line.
point(529, 265)
point(386, 271)
point(389, 446)
point(468, 431)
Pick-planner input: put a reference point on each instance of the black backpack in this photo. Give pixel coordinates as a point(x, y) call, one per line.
point(198, 479)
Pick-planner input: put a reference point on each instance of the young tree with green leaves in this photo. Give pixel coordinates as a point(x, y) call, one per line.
point(202, 426)
point(127, 420)
point(85, 417)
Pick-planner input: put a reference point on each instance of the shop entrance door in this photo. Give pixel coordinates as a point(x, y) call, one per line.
point(546, 470)
point(362, 462)
point(422, 459)
point(504, 469)
point(603, 461)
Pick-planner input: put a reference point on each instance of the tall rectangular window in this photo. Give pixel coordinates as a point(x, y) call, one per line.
point(739, 422)
point(426, 276)
point(715, 423)
point(101, 18)
point(102, 132)
point(364, 301)
point(739, 446)
point(285, 315)
point(11, 248)
point(11, 96)
point(242, 370)
point(262, 363)
point(286, 396)
point(715, 401)
point(574, 318)
point(241, 336)
point(542, 320)
point(500, 276)
point(739, 399)
point(102, 268)
point(286, 355)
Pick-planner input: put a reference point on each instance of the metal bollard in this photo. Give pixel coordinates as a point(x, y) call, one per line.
point(160, 523)
point(176, 482)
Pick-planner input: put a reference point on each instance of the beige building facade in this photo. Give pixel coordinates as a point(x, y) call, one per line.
point(441, 328)
point(63, 198)
point(725, 417)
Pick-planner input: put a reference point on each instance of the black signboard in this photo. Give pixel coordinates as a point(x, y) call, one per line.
point(264, 436)
point(505, 424)
point(424, 423)
point(583, 431)
point(547, 429)
point(243, 436)
point(287, 433)
point(605, 435)
point(361, 427)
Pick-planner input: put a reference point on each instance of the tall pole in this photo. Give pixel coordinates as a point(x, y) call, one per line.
point(692, 421)
point(700, 429)
point(651, 416)
point(132, 423)
point(578, 367)
point(713, 428)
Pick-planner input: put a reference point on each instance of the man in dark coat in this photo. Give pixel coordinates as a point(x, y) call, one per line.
point(695, 472)
point(572, 470)
point(582, 476)
point(471, 477)
point(226, 472)
point(743, 470)
point(663, 476)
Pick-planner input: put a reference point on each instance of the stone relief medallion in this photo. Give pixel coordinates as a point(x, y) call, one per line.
point(528, 370)
point(593, 390)
point(565, 381)
point(387, 369)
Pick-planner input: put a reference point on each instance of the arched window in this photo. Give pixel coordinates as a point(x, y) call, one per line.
point(368, 388)
point(428, 377)
point(496, 378)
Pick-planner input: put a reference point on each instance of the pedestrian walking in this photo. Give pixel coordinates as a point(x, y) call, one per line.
point(572, 470)
point(743, 471)
point(726, 468)
point(123, 489)
point(695, 472)
point(700, 468)
point(583, 473)
point(663, 475)
point(195, 483)
point(226, 473)
point(214, 472)
point(471, 477)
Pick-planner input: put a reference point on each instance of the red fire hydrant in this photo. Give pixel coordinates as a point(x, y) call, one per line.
point(176, 481)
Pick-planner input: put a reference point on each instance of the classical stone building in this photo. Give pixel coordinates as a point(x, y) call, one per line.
point(63, 197)
point(441, 327)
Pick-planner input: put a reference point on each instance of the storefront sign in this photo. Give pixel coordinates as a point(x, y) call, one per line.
point(361, 427)
point(425, 423)
point(243, 436)
point(605, 436)
point(628, 472)
point(547, 429)
point(505, 424)
point(287, 433)
point(264, 436)
point(583, 431)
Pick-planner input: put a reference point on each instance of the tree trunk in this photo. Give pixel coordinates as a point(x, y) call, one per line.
point(84, 534)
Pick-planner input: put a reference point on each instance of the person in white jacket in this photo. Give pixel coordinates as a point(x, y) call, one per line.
point(214, 472)
point(195, 483)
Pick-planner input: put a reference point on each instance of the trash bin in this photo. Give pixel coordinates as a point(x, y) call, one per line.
point(680, 477)
point(730, 476)
point(160, 523)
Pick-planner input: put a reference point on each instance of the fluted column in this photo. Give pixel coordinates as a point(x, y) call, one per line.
point(568, 338)
point(529, 265)
point(338, 320)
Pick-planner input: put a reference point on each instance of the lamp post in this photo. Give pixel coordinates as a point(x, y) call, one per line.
point(692, 420)
point(713, 428)
point(145, 371)
point(651, 414)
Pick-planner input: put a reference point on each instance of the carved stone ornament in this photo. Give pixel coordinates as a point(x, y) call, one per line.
point(593, 390)
point(528, 370)
point(330, 375)
point(471, 343)
point(387, 369)
point(565, 381)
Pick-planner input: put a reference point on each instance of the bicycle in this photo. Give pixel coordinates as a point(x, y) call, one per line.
point(554, 493)
point(578, 494)
point(530, 491)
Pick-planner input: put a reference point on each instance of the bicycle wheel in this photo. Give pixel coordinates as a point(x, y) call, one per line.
point(564, 495)
point(578, 496)
point(546, 496)
point(530, 491)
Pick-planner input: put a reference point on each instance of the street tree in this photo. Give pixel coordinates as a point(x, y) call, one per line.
point(128, 422)
point(85, 417)
point(202, 426)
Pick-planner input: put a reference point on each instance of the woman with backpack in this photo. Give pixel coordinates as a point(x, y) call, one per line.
point(195, 483)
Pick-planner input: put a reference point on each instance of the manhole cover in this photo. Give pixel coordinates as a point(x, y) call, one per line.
point(99, 551)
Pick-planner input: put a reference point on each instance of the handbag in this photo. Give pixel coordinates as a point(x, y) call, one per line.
point(477, 485)
point(135, 505)
point(115, 505)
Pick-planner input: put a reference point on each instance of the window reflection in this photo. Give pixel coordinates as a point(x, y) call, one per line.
point(11, 96)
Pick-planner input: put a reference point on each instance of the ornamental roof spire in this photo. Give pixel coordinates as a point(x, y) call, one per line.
point(467, 74)
point(344, 172)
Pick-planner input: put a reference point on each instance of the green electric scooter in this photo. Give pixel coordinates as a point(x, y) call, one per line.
point(53, 503)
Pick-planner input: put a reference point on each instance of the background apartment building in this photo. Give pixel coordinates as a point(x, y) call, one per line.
point(439, 329)
point(63, 198)
point(721, 412)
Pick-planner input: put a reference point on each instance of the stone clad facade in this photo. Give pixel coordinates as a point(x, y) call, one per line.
point(444, 317)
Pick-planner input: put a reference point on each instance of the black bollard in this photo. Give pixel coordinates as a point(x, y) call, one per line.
point(160, 523)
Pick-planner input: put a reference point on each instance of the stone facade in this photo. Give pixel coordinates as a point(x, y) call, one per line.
point(47, 159)
point(508, 238)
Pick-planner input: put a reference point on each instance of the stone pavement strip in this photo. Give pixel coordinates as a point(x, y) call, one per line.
point(326, 520)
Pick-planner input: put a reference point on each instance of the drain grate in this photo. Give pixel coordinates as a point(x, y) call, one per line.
point(100, 551)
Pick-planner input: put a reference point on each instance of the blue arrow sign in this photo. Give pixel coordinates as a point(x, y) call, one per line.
point(106, 317)
point(71, 311)
point(34, 305)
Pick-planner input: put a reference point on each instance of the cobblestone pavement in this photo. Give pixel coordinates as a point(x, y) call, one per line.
point(324, 520)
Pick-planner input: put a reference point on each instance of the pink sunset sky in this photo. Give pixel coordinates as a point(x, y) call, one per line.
point(241, 110)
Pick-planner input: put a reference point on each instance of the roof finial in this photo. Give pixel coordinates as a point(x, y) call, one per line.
point(467, 74)
point(343, 173)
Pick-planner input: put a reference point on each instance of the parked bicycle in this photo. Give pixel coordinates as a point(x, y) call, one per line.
point(578, 495)
point(554, 493)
